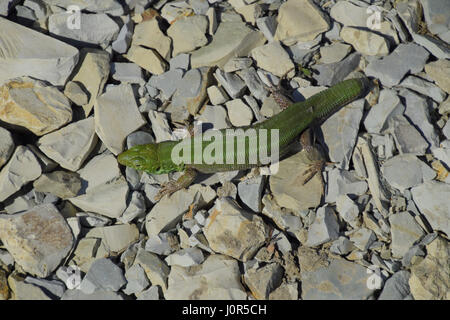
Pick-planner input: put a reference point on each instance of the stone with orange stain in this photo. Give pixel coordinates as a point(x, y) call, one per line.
point(38, 239)
point(33, 105)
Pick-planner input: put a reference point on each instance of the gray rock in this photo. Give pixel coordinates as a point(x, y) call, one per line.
point(139, 137)
point(218, 277)
point(127, 72)
point(6, 146)
point(151, 293)
point(437, 16)
point(38, 239)
point(417, 111)
point(136, 208)
point(431, 198)
point(117, 102)
point(62, 184)
point(340, 132)
point(7, 6)
point(392, 68)
point(396, 287)
point(97, 28)
point(22, 168)
point(112, 7)
point(56, 59)
point(90, 220)
point(407, 138)
point(232, 84)
point(331, 73)
point(363, 238)
point(348, 281)
point(215, 115)
point(136, 280)
point(343, 182)
point(405, 231)
point(254, 83)
point(424, 87)
point(191, 90)
point(155, 269)
point(233, 231)
point(51, 287)
point(71, 145)
point(169, 82)
point(341, 246)
point(123, 41)
point(20, 290)
point(324, 228)
point(268, 26)
point(75, 93)
point(348, 210)
point(405, 171)
point(96, 295)
point(115, 238)
point(387, 107)
point(273, 58)
point(250, 192)
point(186, 257)
point(169, 210)
point(263, 281)
point(180, 61)
point(103, 274)
point(161, 244)
point(335, 52)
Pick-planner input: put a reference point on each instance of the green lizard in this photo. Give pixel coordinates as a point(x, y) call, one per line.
point(157, 158)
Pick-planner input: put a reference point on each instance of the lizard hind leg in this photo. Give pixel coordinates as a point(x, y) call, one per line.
point(174, 185)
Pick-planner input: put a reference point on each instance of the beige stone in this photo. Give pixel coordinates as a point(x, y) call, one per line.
point(299, 21)
point(439, 71)
point(33, 105)
point(148, 34)
point(149, 59)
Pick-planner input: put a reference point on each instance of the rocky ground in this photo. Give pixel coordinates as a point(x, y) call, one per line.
point(78, 85)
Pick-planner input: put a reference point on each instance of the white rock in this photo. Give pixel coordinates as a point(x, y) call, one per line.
point(71, 145)
point(34, 54)
point(99, 170)
point(116, 116)
point(22, 168)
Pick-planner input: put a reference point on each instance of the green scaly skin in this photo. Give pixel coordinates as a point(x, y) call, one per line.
point(156, 158)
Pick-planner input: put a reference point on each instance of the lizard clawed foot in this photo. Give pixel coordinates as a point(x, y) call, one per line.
point(313, 169)
point(167, 189)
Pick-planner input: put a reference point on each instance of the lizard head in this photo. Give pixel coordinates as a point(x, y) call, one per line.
point(141, 157)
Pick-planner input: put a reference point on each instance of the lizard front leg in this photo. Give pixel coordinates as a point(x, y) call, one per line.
point(174, 185)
